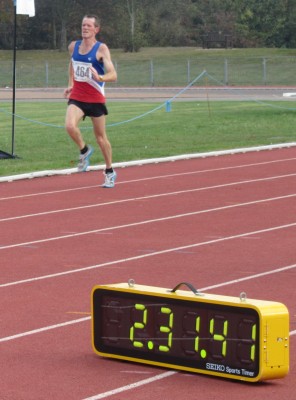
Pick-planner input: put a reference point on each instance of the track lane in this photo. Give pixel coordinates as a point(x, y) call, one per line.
point(237, 191)
point(71, 198)
point(55, 365)
point(65, 296)
point(165, 269)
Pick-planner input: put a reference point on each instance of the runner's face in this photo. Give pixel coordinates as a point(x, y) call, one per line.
point(88, 28)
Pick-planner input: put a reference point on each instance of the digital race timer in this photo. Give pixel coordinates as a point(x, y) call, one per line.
point(231, 337)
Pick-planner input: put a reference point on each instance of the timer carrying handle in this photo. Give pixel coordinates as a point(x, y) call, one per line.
point(189, 285)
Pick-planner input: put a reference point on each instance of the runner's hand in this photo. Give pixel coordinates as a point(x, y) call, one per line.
point(95, 75)
point(67, 92)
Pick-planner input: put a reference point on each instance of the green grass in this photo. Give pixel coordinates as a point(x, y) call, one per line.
point(41, 142)
point(147, 53)
point(169, 66)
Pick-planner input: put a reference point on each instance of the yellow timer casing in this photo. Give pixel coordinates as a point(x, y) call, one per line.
point(229, 337)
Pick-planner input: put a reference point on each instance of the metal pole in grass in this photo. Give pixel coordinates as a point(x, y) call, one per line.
point(26, 7)
point(3, 154)
point(13, 80)
point(207, 93)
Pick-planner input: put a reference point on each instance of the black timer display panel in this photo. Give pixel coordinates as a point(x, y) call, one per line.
point(210, 334)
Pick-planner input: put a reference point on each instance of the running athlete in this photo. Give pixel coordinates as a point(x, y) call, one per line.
point(90, 67)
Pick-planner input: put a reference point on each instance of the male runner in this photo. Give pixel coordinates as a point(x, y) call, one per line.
point(90, 67)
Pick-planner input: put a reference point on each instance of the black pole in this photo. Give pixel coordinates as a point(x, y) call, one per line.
point(3, 154)
point(14, 79)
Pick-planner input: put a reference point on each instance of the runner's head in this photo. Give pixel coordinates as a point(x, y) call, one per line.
point(90, 26)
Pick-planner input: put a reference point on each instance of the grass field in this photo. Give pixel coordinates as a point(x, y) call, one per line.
point(159, 66)
point(41, 142)
point(147, 53)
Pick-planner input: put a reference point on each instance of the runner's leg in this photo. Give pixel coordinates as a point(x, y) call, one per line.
point(102, 139)
point(73, 117)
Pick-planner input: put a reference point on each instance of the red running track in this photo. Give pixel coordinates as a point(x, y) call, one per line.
point(226, 224)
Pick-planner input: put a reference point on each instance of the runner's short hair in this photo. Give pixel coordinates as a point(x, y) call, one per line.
point(95, 17)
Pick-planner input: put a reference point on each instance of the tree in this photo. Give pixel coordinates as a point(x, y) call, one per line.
point(62, 13)
point(6, 24)
point(131, 14)
point(132, 24)
point(261, 23)
point(172, 22)
point(219, 15)
point(289, 34)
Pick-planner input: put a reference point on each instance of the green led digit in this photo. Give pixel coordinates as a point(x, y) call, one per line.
point(246, 346)
point(138, 325)
point(253, 347)
point(167, 329)
point(190, 341)
point(219, 337)
point(197, 327)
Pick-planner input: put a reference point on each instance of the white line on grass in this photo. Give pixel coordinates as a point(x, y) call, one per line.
point(150, 161)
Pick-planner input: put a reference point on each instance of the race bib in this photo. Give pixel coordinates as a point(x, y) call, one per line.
point(82, 72)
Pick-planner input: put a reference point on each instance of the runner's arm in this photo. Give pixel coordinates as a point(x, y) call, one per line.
point(68, 90)
point(104, 55)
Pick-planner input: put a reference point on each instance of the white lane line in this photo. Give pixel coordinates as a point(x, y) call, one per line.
point(156, 253)
point(170, 373)
point(274, 271)
point(132, 386)
point(95, 231)
point(44, 329)
point(76, 321)
point(24, 196)
point(151, 178)
point(132, 199)
point(157, 377)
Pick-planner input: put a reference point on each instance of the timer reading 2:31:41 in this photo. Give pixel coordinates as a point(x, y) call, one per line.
point(217, 335)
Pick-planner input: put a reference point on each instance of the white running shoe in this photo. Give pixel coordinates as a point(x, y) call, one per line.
point(84, 160)
point(110, 179)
